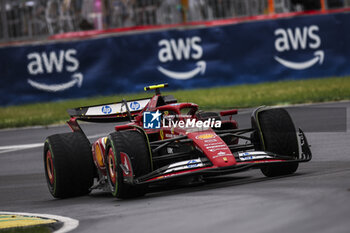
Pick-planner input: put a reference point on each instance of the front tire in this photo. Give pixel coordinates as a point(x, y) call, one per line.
point(277, 135)
point(127, 157)
point(68, 163)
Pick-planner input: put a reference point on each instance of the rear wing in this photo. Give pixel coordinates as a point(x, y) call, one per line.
point(112, 112)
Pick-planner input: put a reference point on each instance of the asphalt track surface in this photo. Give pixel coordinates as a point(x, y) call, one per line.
point(315, 199)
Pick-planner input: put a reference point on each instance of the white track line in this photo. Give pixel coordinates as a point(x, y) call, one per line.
point(6, 151)
point(11, 148)
point(69, 224)
point(21, 147)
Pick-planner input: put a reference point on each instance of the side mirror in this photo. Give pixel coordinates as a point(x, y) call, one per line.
point(229, 112)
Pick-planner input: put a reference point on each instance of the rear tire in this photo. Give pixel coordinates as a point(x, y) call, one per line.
point(130, 145)
point(278, 135)
point(69, 168)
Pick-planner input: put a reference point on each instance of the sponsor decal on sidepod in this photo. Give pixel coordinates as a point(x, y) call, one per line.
point(205, 136)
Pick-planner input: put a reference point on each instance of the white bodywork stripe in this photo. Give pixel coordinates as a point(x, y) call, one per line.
point(117, 108)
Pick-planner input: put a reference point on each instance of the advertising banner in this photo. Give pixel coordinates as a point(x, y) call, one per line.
point(292, 48)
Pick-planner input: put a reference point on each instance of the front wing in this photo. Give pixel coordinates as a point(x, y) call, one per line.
point(199, 167)
point(245, 158)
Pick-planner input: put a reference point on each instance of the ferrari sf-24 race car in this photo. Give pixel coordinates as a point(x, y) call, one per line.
point(157, 140)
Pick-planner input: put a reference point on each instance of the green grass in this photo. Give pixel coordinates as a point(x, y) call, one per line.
point(241, 96)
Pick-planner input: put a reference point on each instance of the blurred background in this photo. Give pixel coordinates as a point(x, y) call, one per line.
point(66, 53)
point(38, 19)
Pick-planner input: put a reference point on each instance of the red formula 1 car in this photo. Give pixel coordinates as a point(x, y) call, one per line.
point(161, 141)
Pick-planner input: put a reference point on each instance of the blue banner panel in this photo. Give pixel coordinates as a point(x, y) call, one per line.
point(291, 48)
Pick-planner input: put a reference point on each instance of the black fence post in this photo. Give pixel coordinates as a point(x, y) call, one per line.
point(4, 26)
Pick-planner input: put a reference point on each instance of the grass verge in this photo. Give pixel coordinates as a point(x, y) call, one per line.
point(240, 96)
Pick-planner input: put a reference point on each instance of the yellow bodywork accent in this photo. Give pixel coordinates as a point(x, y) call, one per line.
point(12, 221)
point(161, 134)
point(99, 156)
point(154, 87)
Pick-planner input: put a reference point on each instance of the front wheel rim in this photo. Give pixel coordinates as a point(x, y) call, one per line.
point(112, 167)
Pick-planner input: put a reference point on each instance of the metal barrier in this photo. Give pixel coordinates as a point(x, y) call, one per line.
point(22, 20)
point(38, 19)
point(221, 9)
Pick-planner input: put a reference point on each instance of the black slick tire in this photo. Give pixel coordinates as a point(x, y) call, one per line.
point(133, 145)
point(68, 163)
point(278, 135)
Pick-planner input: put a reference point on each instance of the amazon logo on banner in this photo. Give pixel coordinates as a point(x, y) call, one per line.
point(178, 50)
point(299, 39)
point(54, 62)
